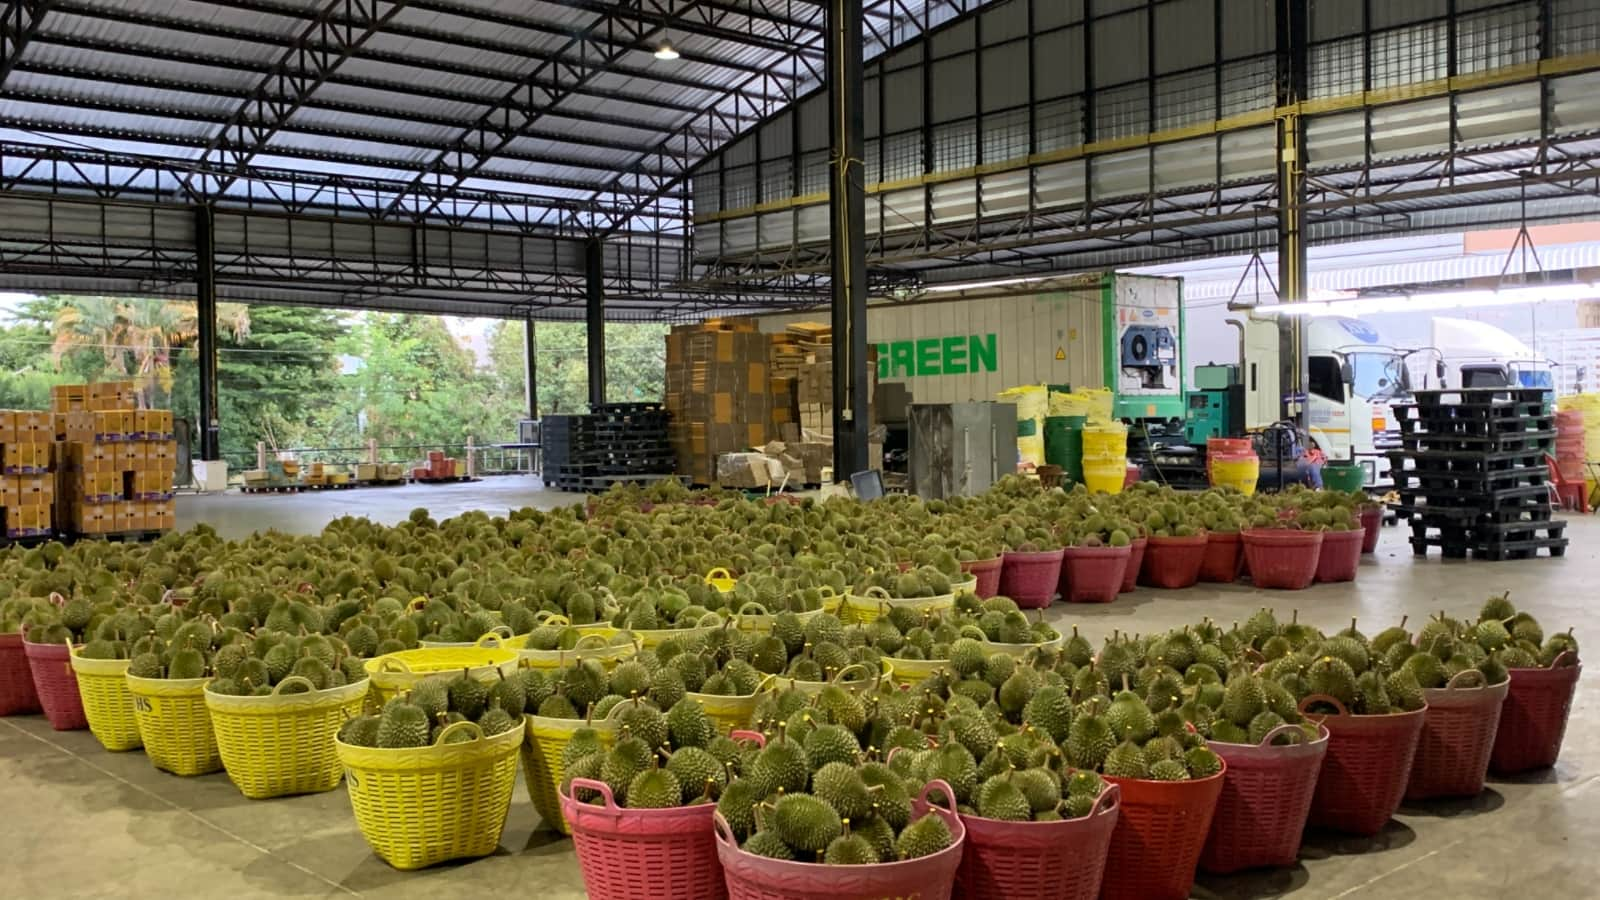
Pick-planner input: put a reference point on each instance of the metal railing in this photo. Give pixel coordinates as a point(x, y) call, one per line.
point(487, 460)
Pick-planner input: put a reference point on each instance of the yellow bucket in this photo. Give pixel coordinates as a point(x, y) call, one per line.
point(864, 609)
point(1239, 474)
point(395, 672)
point(103, 685)
point(282, 744)
point(541, 762)
point(1105, 476)
point(425, 805)
point(1105, 440)
point(175, 724)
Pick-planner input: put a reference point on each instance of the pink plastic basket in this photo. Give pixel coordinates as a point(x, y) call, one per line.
point(1266, 797)
point(17, 695)
point(752, 877)
point(1371, 527)
point(1457, 738)
point(1130, 578)
point(1282, 559)
point(1093, 574)
point(57, 685)
point(629, 854)
point(1224, 555)
point(1159, 837)
point(1063, 860)
point(1365, 772)
point(1173, 563)
point(1534, 719)
point(1340, 556)
point(1030, 579)
point(987, 571)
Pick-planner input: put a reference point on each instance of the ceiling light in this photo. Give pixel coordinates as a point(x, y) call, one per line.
point(666, 51)
point(1440, 300)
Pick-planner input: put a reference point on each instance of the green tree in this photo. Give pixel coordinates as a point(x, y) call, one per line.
point(635, 364)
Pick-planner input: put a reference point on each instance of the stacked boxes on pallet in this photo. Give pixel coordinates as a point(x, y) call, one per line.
point(721, 396)
point(115, 462)
point(438, 467)
point(27, 457)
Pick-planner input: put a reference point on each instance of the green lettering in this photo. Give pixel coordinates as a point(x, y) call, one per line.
point(981, 349)
point(901, 362)
point(954, 351)
point(883, 361)
point(928, 356)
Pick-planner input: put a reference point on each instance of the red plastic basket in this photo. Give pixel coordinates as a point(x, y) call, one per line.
point(752, 877)
point(1093, 574)
point(1266, 797)
point(1282, 559)
point(17, 695)
point(1030, 579)
point(987, 571)
point(1173, 562)
point(1159, 837)
point(1063, 860)
point(1457, 738)
point(628, 854)
point(1371, 526)
point(1534, 719)
point(57, 685)
point(1365, 772)
point(1130, 578)
point(1224, 556)
point(1340, 556)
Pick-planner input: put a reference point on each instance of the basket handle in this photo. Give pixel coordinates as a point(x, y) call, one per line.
point(876, 593)
point(599, 787)
point(1110, 799)
point(866, 674)
point(390, 664)
point(1565, 659)
point(586, 639)
point(293, 679)
point(1322, 698)
point(723, 830)
point(943, 787)
point(1460, 680)
point(720, 573)
point(752, 608)
point(556, 619)
point(457, 727)
point(767, 684)
point(416, 604)
point(493, 639)
point(754, 737)
point(1284, 729)
point(827, 592)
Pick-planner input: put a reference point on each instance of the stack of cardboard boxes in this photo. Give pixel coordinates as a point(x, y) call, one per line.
point(721, 394)
point(115, 462)
point(27, 488)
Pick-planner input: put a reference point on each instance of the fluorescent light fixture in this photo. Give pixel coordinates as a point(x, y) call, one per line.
point(1438, 300)
point(666, 51)
point(955, 287)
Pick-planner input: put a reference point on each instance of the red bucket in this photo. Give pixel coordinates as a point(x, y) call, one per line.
point(17, 695)
point(1062, 860)
point(1093, 574)
point(1534, 719)
point(659, 854)
point(1224, 555)
point(1371, 523)
point(751, 877)
point(57, 685)
point(1340, 556)
point(1030, 579)
point(987, 571)
point(1457, 738)
point(1159, 837)
point(1173, 562)
point(1130, 578)
point(1281, 558)
point(1365, 772)
point(1266, 797)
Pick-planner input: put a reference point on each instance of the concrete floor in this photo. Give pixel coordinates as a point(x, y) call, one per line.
point(80, 822)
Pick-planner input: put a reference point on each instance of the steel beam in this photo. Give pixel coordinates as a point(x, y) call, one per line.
point(530, 372)
point(205, 295)
point(19, 22)
point(1292, 68)
point(847, 207)
point(594, 265)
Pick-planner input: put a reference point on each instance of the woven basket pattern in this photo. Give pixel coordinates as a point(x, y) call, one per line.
point(423, 806)
point(1037, 860)
point(107, 704)
point(1093, 574)
point(175, 724)
point(866, 610)
point(1159, 837)
point(1457, 740)
point(1365, 772)
point(1173, 563)
point(1340, 556)
point(1534, 719)
point(1030, 579)
point(912, 672)
point(277, 746)
point(855, 677)
point(609, 656)
point(1224, 556)
point(56, 685)
point(730, 713)
point(761, 622)
point(396, 672)
point(1261, 813)
point(1282, 560)
point(17, 695)
point(644, 854)
point(547, 738)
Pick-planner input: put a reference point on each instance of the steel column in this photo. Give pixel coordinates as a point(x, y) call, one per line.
point(842, 44)
point(1291, 177)
point(530, 355)
point(595, 318)
point(205, 290)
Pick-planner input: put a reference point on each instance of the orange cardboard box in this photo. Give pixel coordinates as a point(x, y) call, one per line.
point(20, 457)
point(163, 455)
point(27, 490)
point(27, 519)
point(88, 456)
point(94, 518)
point(111, 424)
point(161, 514)
point(129, 517)
point(130, 455)
point(98, 486)
point(151, 482)
point(152, 422)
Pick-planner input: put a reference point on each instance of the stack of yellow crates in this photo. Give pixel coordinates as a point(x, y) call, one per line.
point(116, 461)
point(27, 487)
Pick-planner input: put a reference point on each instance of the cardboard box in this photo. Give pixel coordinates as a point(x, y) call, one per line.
point(29, 457)
point(66, 398)
point(91, 518)
point(26, 520)
point(152, 423)
point(148, 485)
point(743, 470)
point(161, 456)
point(97, 487)
point(129, 516)
point(366, 472)
point(27, 490)
point(130, 455)
point(161, 515)
point(89, 456)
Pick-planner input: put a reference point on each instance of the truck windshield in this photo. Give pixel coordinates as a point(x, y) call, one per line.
point(1379, 375)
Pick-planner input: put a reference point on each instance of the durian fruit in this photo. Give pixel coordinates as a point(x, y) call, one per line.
point(402, 724)
point(804, 822)
point(924, 837)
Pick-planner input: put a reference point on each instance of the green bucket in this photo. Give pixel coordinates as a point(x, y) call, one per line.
point(1063, 446)
point(1347, 477)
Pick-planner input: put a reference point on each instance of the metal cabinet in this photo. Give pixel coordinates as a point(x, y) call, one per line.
point(961, 448)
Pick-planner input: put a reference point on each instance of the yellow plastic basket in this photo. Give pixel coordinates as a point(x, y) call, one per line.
point(395, 672)
point(731, 713)
point(912, 672)
point(501, 636)
point(541, 762)
point(856, 677)
point(175, 724)
point(421, 806)
point(757, 619)
point(864, 609)
point(721, 579)
point(590, 646)
point(282, 744)
point(991, 648)
point(103, 685)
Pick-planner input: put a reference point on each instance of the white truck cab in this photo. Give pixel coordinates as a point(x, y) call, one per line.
point(1479, 355)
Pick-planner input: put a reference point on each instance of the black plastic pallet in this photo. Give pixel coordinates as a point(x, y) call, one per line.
point(1495, 542)
point(1469, 484)
point(1453, 515)
point(1470, 397)
point(1478, 460)
point(1481, 497)
point(1506, 442)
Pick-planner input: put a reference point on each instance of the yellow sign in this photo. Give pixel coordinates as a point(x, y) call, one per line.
point(1061, 353)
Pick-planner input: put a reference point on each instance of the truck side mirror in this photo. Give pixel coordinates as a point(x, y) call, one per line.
point(1438, 368)
point(1347, 372)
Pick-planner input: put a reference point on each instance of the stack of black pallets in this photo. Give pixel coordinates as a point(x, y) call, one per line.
point(1473, 475)
point(617, 442)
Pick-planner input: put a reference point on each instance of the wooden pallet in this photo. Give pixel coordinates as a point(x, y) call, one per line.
point(119, 537)
point(378, 482)
point(444, 479)
point(272, 489)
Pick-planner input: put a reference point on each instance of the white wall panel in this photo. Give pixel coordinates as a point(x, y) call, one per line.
point(1337, 140)
point(1005, 193)
point(1061, 184)
point(1185, 164)
point(1499, 115)
point(1122, 174)
point(1411, 129)
point(1249, 154)
point(1575, 103)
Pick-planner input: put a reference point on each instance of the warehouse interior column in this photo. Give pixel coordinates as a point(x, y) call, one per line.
point(1291, 178)
point(594, 262)
point(530, 353)
point(205, 287)
point(843, 40)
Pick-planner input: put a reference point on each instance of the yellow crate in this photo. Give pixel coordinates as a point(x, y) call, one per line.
point(103, 685)
point(175, 724)
point(282, 744)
